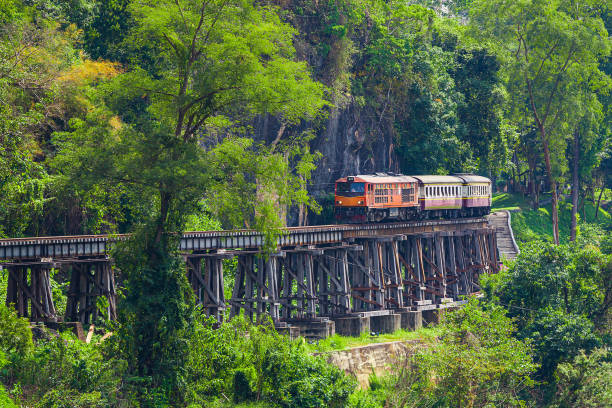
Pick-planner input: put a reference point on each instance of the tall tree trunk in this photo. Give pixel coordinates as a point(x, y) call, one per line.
point(575, 185)
point(553, 185)
point(603, 187)
point(533, 188)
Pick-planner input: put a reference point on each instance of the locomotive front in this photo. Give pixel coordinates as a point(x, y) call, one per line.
point(350, 200)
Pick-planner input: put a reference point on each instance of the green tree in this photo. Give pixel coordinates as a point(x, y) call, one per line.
point(546, 46)
point(559, 296)
point(108, 29)
point(586, 381)
point(477, 362)
point(205, 69)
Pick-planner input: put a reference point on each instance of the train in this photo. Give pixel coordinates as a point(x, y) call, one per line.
point(386, 197)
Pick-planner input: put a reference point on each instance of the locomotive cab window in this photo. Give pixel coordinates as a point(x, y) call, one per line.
point(350, 189)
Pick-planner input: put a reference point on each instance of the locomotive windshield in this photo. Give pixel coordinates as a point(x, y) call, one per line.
point(350, 187)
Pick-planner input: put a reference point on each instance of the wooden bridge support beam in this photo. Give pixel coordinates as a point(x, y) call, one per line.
point(366, 269)
point(256, 287)
point(393, 272)
point(298, 299)
point(31, 299)
point(88, 282)
point(207, 284)
point(332, 275)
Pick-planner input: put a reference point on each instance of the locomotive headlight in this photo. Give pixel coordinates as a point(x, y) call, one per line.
point(339, 202)
point(360, 202)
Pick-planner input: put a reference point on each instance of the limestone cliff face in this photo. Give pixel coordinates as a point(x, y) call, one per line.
point(353, 142)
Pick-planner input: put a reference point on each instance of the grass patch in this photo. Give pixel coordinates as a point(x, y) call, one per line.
point(337, 342)
point(529, 224)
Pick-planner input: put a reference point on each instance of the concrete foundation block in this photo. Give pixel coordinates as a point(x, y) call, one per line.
point(385, 324)
point(411, 320)
point(433, 316)
point(352, 326)
point(75, 327)
point(316, 330)
point(292, 331)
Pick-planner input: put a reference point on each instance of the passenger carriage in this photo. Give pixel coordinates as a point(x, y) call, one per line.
point(476, 195)
point(440, 196)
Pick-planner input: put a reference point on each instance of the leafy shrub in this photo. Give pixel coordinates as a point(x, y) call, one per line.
point(242, 386)
point(256, 363)
point(63, 369)
point(586, 381)
point(558, 336)
point(477, 362)
point(15, 334)
point(558, 295)
point(5, 400)
point(60, 398)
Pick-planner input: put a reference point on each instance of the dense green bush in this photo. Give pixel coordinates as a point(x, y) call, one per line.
point(242, 362)
point(558, 336)
point(15, 334)
point(476, 362)
point(559, 296)
point(5, 401)
point(58, 371)
point(62, 368)
point(586, 381)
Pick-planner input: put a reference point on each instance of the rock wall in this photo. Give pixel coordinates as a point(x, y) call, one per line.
point(352, 142)
point(377, 358)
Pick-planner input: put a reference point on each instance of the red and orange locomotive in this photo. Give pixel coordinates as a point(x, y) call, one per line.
point(382, 196)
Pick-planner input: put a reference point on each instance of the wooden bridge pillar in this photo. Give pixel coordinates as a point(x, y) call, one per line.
point(88, 282)
point(31, 299)
point(298, 301)
point(392, 275)
point(332, 275)
point(367, 277)
point(208, 285)
point(256, 288)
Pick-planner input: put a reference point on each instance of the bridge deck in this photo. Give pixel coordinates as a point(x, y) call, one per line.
point(45, 249)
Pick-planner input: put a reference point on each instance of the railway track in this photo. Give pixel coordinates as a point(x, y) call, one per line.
point(69, 247)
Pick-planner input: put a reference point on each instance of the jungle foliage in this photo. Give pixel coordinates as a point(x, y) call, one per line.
point(140, 116)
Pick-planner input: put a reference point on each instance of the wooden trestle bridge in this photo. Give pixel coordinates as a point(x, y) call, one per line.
point(318, 274)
